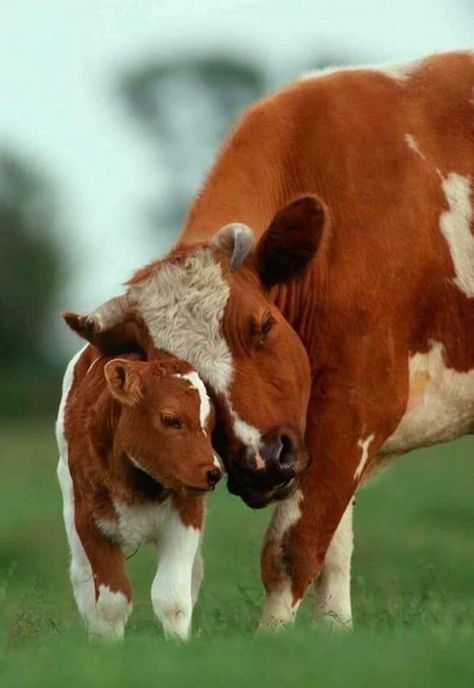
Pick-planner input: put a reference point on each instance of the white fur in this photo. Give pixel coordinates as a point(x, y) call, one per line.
point(364, 445)
point(333, 586)
point(175, 584)
point(204, 401)
point(280, 607)
point(413, 144)
point(440, 405)
point(455, 225)
point(398, 72)
point(136, 524)
point(81, 570)
point(183, 306)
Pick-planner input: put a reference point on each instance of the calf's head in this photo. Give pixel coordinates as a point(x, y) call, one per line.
point(165, 422)
point(213, 305)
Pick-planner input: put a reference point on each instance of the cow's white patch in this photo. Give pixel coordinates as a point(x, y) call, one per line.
point(364, 445)
point(398, 72)
point(204, 401)
point(138, 523)
point(413, 144)
point(280, 608)
point(440, 405)
point(172, 590)
point(455, 225)
point(333, 586)
point(183, 306)
point(285, 515)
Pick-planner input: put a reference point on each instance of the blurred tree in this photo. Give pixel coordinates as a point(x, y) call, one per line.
point(29, 261)
point(186, 106)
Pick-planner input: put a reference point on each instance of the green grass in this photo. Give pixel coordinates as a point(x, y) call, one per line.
point(413, 589)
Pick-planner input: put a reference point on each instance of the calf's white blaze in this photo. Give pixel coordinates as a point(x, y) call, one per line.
point(440, 405)
point(398, 72)
point(204, 401)
point(455, 225)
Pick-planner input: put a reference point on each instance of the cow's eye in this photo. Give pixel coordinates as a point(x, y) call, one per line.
point(170, 420)
point(267, 324)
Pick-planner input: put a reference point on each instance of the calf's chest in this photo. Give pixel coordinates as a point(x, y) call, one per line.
point(135, 524)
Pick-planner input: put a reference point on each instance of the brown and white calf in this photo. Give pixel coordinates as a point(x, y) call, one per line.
point(135, 463)
point(334, 310)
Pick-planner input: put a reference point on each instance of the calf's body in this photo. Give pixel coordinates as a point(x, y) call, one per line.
point(122, 485)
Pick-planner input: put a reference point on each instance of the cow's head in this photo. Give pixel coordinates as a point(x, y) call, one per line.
point(213, 305)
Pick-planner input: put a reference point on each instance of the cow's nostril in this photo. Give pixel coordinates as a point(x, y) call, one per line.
point(286, 456)
point(213, 476)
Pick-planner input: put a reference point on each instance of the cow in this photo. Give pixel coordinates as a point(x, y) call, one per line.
point(323, 288)
point(136, 463)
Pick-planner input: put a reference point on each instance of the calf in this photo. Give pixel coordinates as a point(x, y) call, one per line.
point(135, 464)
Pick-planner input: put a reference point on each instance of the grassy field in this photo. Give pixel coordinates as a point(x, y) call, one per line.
point(413, 589)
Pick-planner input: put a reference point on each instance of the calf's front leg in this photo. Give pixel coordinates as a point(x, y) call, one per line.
point(176, 583)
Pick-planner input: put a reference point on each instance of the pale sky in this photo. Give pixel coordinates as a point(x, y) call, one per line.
point(59, 64)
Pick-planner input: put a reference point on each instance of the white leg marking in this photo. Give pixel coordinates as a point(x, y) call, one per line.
point(280, 608)
point(171, 592)
point(81, 571)
point(455, 225)
point(364, 445)
point(197, 576)
point(333, 587)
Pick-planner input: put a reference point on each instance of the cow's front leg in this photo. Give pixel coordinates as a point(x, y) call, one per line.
point(173, 593)
point(342, 443)
point(333, 585)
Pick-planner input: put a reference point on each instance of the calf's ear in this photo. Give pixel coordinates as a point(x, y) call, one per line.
point(291, 241)
point(124, 381)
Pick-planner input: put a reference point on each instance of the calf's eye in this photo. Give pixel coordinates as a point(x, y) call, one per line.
point(266, 326)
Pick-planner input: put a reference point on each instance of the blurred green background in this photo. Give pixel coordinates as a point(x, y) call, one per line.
point(111, 114)
point(413, 588)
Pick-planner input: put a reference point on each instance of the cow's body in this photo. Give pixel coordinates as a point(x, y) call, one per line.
point(113, 500)
point(385, 308)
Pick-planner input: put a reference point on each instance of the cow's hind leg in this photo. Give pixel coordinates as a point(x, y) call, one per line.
point(333, 586)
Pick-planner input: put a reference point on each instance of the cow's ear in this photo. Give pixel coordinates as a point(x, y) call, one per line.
point(124, 381)
point(291, 241)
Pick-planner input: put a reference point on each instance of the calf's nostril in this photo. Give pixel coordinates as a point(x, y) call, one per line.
point(213, 476)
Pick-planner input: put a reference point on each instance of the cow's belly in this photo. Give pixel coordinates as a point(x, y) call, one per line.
point(135, 524)
point(440, 405)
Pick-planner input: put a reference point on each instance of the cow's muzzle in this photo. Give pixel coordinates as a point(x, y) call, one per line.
point(271, 473)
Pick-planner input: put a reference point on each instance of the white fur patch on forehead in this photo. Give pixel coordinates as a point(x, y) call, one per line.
point(204, 401)
point(182, 304)
point(398, 72)
point(455, 225)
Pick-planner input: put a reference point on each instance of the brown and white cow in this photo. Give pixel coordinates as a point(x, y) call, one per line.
point(135, 463)
point(349, 304)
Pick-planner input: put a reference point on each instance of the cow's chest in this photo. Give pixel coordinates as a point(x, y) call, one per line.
point(135, 524)
point(440, 405)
